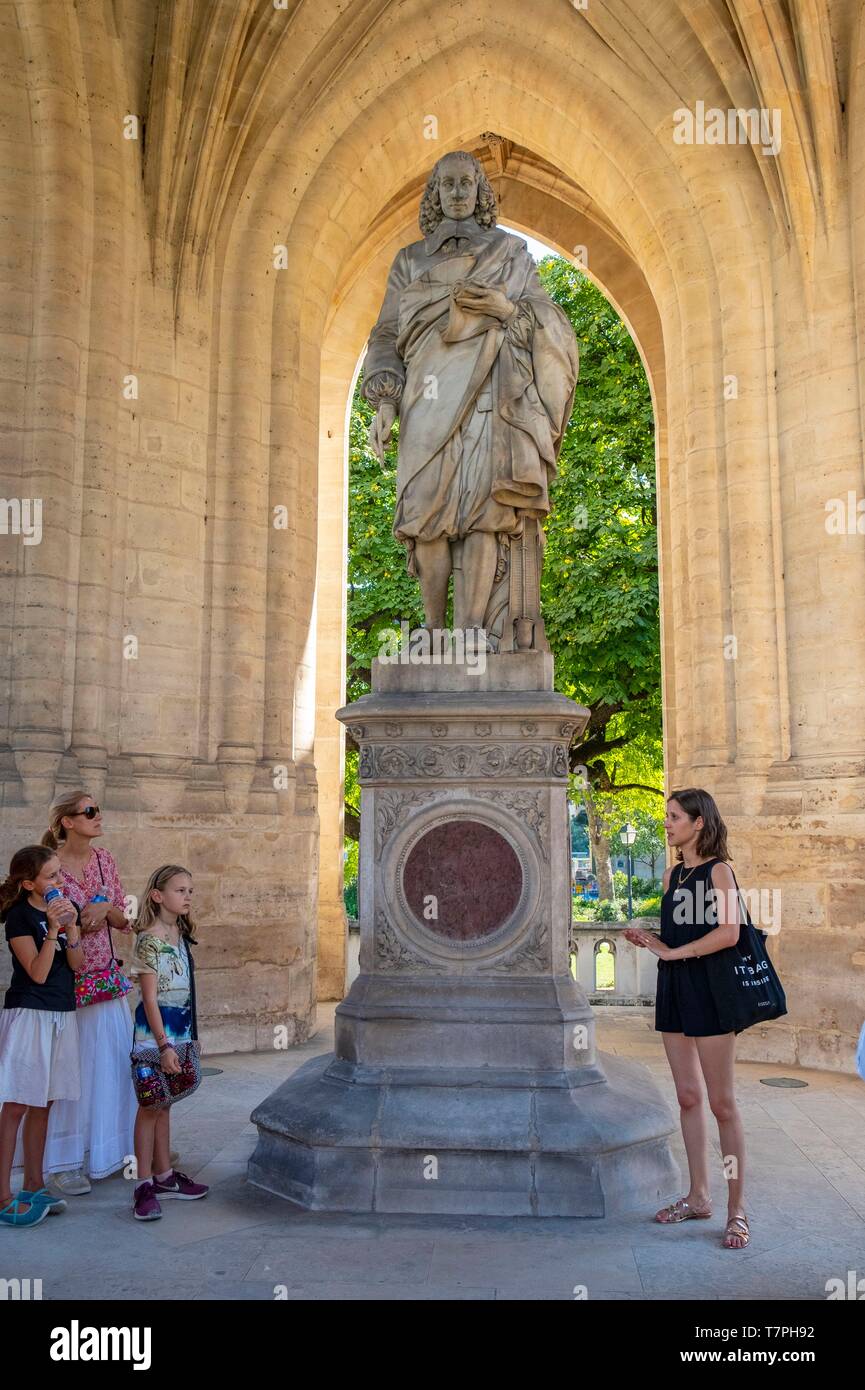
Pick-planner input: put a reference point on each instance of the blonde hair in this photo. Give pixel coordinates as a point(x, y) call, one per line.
point(148, 911)
point(67, 805)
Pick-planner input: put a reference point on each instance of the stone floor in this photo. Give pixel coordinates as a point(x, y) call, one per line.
point(807, 1206)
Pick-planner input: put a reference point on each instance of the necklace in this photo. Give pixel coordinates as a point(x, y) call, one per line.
point(683, 878)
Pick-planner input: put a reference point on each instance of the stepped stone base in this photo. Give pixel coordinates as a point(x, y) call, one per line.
point(330, 1144)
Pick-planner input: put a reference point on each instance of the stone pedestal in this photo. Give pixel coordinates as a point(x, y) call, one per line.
point(465, 1077)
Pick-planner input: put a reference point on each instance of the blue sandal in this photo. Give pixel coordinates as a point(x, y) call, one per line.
point(42, 1197)
point(38, 1212)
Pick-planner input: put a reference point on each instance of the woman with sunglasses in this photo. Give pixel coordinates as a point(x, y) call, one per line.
point(94, 1133)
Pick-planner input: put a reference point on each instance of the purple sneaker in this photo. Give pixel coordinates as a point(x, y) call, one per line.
point(146, 1207)
point(179, 1185)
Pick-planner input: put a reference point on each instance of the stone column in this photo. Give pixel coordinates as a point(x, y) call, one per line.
point(107, 425)
point(50, 207)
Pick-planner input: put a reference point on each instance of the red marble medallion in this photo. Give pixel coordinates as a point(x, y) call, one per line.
point(462, 880)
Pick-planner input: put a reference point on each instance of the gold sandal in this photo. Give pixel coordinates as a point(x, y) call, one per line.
point(744, 1235)
point(681, 1211)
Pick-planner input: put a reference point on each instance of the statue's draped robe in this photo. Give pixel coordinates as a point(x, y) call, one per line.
point(483, 405)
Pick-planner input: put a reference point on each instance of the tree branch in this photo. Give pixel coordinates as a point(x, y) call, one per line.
point(359, 673)
point(584, 753)
point(351, 823)
point(633, 787)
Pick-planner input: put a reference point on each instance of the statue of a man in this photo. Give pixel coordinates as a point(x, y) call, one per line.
point(481, 367)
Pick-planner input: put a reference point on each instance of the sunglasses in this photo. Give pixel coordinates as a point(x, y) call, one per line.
point(91, 812)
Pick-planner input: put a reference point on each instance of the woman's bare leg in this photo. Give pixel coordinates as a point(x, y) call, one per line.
point(685, 1066)
point(717, 1059)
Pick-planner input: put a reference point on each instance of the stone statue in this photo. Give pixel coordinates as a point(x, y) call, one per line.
point(481, 366)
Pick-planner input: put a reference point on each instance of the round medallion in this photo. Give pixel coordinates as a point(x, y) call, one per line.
point(462, 880)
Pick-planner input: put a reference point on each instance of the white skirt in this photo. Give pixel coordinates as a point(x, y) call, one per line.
point(95, 1132)
point(38, 1057)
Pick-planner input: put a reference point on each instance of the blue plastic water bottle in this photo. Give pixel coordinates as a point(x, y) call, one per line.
point(97, 898)
point(50, 897)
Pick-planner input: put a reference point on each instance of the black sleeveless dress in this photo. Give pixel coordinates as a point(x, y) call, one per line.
point(684, 1002)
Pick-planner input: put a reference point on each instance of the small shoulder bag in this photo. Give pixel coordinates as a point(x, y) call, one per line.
point(95, 986)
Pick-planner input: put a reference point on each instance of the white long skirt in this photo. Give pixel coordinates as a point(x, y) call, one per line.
point(95, 1133)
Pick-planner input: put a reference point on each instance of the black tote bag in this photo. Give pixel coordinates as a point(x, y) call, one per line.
point(744, 982)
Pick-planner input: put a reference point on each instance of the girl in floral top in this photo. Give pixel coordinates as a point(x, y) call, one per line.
point(92, 1135)
point(164, 1017)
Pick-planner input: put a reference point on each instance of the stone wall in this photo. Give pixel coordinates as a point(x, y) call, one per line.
point(157, 641)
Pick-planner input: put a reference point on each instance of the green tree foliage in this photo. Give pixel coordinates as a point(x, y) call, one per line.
point(380, 591)
point(629, 789)
point(600, 581)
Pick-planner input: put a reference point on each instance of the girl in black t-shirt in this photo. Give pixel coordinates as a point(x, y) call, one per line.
point(38, 1028)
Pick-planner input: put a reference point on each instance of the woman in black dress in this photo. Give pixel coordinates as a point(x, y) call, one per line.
point(699, 915)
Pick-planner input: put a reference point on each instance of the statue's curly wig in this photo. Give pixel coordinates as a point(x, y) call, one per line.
point(430, 204)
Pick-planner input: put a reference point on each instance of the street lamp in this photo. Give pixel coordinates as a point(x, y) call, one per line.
point(628, 836)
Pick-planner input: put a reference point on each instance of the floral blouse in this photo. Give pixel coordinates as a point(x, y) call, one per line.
point(97, 944)
point(170, 964)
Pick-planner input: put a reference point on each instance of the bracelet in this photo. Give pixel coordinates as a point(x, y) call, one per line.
point(165, 1047)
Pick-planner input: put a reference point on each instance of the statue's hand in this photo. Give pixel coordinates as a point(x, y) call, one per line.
point(483, 300)
point(380, 429)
